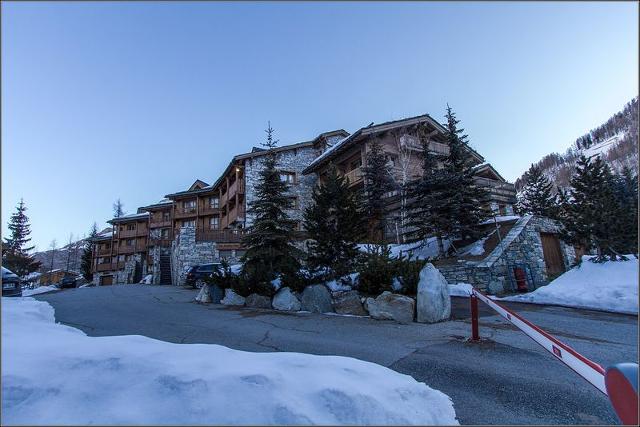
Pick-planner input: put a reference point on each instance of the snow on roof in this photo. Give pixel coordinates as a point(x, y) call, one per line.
point(500, 218)
point(130, 216)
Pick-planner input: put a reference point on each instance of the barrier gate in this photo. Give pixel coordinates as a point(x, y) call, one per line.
point(618, 382)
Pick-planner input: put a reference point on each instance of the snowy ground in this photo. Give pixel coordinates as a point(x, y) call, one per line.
point(38, 290)
point(609, 286)
point(55, 375)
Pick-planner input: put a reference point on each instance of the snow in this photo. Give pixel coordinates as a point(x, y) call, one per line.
point(476, 248)
point(609, 286)
point(425, 249)
point(602, 147)
point(500, 218)
point(337, 285)
point(39, 290)
point(56, 375)
point(329, 150)
point(460, 290)
point(147, 280)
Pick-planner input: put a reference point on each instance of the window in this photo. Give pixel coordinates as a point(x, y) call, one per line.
point(166, 216)
point(189, 205)
point(130, 242)
point(164, 233)
point(288, 177)
point(120, 258)
point(294, 203)
point(189, 223)
point(214, 222)
point(355, 164)
point(131, 227)
point(214, 202)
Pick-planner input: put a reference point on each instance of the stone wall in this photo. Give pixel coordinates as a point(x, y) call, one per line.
point(186, 252)
point(126, 275)
point(294, 160)
point(522, 246)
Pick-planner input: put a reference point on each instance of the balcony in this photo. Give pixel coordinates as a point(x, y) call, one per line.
point(163, 243)
point(355, 176)
point(127, 233)
point(236, 188)
point(186, 212)
point(499, 190)
point(103, 267)
point(209, 210)
point(126, 249)
point(103, 251)
point(219, 236)
point(160, 223)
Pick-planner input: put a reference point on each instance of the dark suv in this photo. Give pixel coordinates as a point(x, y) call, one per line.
point(68, 282)
point(197, 273)
point(10, 284)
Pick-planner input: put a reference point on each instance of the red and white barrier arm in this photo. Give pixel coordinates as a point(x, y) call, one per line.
point(587, 369)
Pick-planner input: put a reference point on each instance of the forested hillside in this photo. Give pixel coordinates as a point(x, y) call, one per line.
point(615, 141)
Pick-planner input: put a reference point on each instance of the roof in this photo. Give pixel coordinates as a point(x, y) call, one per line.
point(371, 129)
point(164, 203)
point(487, 167)
point(129, 217)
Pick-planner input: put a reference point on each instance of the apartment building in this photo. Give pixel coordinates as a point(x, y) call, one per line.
point(206, 222)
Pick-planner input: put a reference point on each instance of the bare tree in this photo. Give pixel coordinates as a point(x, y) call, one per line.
point(408, 168)
point(118, 209)
point(70, 246)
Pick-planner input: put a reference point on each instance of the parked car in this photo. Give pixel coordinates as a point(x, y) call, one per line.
point(68, 282)
point(197, 273)
point(11, 286)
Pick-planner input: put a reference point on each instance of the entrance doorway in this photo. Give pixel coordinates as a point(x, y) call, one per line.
point(552, 252)
point(106, 280)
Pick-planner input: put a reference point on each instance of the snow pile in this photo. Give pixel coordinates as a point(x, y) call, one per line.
point(425, 249)
point(147, 280)
point(56, 375)
point(609, 286)
point(39, 290)
point(460, 290)
point(341, 284)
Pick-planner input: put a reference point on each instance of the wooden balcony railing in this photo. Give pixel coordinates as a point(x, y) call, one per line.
point(208, 210)
point(164, 243)
point(186, 212)
point(104, 267)
point(220, 236)
point(124, 249)
point(160, 223)
point(439, 148)
point(354, 176)
point(103, 251)
point(127, 233)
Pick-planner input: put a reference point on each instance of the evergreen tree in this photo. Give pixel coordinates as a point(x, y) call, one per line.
point(334, 226)
point(118, 209)
point(427, 203)
point(377, 182)
point(536, 197)
point(591, 210)
point(625, 190)
point(87, 254)
point(270, 252)
point(15, 249)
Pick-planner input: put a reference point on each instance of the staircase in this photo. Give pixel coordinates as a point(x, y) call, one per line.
point(165, 269)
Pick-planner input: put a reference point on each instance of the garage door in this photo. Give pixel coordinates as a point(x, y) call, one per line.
point(106, 280)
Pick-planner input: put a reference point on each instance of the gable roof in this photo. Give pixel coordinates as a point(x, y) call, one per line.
point(372, 129)
point(198, 185)
point(486, 167)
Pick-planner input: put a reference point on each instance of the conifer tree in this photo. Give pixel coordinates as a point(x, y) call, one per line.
point(377, 182)
point(15, 249)
point(269, 249)
point(118, 209)
point(536, 197)
point(87, 254)
point(334, 226)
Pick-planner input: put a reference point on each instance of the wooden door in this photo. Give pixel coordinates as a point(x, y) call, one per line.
point(106, 280)
point(552, 254)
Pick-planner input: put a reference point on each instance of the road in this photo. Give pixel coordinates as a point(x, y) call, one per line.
point(506, 379)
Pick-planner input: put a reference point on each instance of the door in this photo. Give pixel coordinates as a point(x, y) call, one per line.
point(552, 252)
point(106, 280)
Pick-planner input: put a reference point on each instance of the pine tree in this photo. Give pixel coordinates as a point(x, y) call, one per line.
point(334, 226)
point(87, 254)
point(118, 209)
point(590, 211)
point(377, 182)
point(625, 192)
point(536, 197)
point(270, 252)
point(427, 206)
point(15, 250)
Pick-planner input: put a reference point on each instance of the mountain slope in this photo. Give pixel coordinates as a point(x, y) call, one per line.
point(615, 141)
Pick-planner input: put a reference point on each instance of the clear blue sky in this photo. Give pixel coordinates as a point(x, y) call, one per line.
point(137, 100)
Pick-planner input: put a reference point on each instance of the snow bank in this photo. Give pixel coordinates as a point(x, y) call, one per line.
point(425, 249)
point(147, 280)
point(39, 290)
point(460, 290)
point(609, 286)
point(56, 375)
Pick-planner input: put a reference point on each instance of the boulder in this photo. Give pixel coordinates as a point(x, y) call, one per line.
point(231, 298)
point(217, 293)
point(316, 299)
point(388, 306)
point(204, 296)
point(285, 300)
point(434, 302)
point(258, 301)
point(348, 303)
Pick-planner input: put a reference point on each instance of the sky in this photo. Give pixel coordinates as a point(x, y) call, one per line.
point(135, 100)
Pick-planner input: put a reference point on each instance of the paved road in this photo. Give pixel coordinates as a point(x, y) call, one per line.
point(507, 379)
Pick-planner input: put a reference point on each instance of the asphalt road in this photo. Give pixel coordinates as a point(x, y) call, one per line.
point(506, 379)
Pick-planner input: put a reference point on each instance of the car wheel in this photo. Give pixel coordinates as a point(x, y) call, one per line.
point(199, 284)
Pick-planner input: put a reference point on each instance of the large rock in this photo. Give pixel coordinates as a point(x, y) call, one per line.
point(316, 299)
point(204, 296)
point(348, 303)
point(285, 300)
point(434, 302)
point(217, 293)
point(390, 306)
point(231, 298)
point(258, 301)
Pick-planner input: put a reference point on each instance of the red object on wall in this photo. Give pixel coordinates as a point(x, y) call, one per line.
point(521, 279)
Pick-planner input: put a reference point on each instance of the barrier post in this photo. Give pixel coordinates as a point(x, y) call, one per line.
point(475, 334)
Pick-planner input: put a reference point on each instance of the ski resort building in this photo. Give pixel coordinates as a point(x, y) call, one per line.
point(206, 222)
